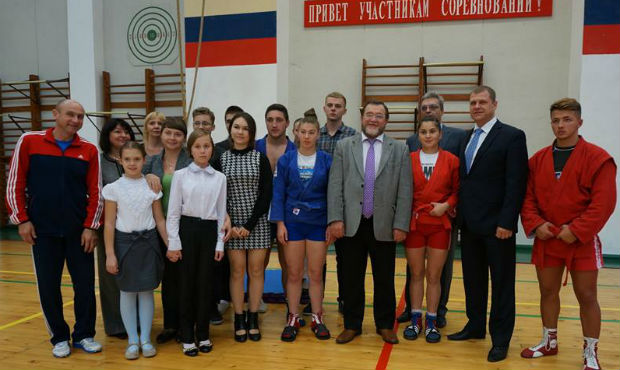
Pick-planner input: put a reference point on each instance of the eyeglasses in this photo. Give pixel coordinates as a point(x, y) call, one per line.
point(371, 115)
point(429, 107)
point(202, 124)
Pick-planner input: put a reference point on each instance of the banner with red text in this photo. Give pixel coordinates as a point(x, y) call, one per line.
point(323, 13)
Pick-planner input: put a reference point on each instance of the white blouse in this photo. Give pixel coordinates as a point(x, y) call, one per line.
point(196, 192)
point(134, 203)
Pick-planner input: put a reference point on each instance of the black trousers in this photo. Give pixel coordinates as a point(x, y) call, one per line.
point(355, 251)
point(221, 283)
point(170, 291)
point(481, 254)
point(49, 254)
point(338, 244)
point(196, 271)
point(445, 280)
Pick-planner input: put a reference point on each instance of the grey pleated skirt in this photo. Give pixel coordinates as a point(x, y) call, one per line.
point(140, 260)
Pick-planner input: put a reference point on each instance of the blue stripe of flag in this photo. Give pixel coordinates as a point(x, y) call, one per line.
point(599, 12)
point(232, 27)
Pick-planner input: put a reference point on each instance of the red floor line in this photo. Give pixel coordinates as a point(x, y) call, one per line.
point(384, 358)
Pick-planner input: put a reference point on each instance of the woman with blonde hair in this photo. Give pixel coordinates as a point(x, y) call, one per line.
point(153, 123)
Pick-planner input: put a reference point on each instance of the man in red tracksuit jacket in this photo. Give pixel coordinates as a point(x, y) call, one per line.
point(54, 196)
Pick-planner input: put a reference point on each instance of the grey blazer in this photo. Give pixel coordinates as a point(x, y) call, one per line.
point(155, 164)
point(393, 187)
point(451, 138)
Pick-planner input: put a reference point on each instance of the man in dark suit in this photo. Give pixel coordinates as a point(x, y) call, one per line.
point(451, 138)
point(369, 196)
point(493, 180)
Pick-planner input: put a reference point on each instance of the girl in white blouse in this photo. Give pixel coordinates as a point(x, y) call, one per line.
point(196, 215)
point(133, 255)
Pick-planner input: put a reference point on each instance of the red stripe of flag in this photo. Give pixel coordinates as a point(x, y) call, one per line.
point(232, 52)
point(601, 39)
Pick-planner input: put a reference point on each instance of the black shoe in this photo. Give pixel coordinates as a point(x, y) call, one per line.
point(253, 325)
point(216, 318)
point(441, 322)
point(466, 334)
point(122, 335)
point(206, 348)
point(191, 351)
point(404, 317)
point(166, 335)
point(497, 353)
point(240, 326)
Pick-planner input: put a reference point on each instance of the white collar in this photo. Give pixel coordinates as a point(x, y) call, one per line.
point(488, 126)
point(195, 168)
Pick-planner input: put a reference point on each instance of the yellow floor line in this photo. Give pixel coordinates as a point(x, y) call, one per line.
point(34, 316)
point(27, 318)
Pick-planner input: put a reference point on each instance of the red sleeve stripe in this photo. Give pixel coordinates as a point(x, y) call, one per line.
point(11, 191)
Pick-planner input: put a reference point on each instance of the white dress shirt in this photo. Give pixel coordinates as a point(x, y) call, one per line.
point(196, 192)
point(486, 128)
point(378, 148)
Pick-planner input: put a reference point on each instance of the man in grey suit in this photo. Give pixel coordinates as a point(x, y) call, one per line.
point(369, 195)
point(451, 138)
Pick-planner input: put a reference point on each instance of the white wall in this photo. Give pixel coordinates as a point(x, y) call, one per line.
point(527, 60)
point(33, 39)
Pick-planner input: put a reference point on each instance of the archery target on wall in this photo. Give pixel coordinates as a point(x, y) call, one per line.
point(152, 37)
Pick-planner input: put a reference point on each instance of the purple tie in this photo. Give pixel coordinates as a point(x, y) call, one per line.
point(369, 181)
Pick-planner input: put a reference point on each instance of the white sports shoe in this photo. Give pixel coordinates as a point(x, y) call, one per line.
point(262, 307)
point(88, 345)
point(61, 349)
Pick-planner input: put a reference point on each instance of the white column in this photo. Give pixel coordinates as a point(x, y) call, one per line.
point(85, 36)
point(600, 94)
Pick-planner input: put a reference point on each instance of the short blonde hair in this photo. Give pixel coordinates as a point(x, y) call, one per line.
point(151, 117)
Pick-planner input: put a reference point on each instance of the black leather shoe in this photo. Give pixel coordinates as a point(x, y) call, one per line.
point(404, 317)
point(253, 329)
point(166, 335)
point(441, 322)
point(205, 348)
point(191, 352)
point(466, 334)
point(497, 353)
point(240, 327)
point(122, 335)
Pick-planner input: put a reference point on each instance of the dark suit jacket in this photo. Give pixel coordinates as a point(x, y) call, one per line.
point(451, 139)
point(492, 193)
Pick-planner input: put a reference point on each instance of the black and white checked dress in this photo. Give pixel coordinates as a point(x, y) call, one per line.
point(242, 170)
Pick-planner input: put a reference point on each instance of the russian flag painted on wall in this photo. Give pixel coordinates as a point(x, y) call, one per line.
point(601, 27)
point(231, 39)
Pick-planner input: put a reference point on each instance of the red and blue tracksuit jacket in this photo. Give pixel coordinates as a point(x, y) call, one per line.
point(60, 193)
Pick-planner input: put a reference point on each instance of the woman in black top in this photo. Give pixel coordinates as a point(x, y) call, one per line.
point(114, 134)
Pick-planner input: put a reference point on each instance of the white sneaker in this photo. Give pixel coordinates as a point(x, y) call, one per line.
point(132, 352)
point(61, 349)
point(88, 345)
point(148, 350)
point(262, 307)
point(223, 306)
